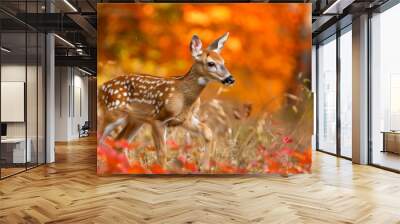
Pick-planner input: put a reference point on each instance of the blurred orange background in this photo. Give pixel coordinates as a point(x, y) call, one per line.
point(268, 47)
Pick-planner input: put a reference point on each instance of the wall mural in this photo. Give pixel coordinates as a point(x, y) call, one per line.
point(204, 88)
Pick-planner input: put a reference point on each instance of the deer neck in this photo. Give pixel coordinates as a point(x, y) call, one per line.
point(193, 84)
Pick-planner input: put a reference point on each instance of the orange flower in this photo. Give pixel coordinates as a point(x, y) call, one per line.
point(134, 145)
point(272, 166)
point(157, 169)
point(226, 168)
point(137, 168)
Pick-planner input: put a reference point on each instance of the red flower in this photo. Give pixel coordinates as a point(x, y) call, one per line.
point(109, 142)
point(260, 149)
point(173, 145)
point(212, 162)
point(115, 162)
point(188, 147)
point(182, 159)
point(287, 140)
point(286, 151)
point(190, 166)
point(122, 144)
point(254, 163)
point(242, 170)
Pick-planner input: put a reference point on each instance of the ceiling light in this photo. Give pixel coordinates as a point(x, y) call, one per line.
point(5, 50)
point(84, 71)
point(65, 41)
point(70, 5)
point(337, 7)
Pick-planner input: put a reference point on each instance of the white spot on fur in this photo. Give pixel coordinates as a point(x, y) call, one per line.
point(195, 121)
point(202, 81)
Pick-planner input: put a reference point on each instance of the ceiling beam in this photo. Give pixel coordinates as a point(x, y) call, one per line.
point(86, 26)
point(78, 61)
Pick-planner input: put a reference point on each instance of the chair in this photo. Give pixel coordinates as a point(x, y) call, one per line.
point(84, 130)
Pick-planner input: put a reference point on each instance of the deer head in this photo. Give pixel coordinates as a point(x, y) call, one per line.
point(208, 62)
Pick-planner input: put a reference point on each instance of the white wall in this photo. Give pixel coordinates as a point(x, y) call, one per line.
point(61, 103)
point(71, 102)
point(33, 127)
point(13, 73)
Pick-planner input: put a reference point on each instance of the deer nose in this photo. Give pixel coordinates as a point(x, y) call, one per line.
point(228, 81)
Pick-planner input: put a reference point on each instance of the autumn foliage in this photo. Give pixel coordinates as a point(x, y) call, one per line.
point(263, 123)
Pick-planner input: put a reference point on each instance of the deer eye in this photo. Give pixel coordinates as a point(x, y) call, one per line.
point(210, 64)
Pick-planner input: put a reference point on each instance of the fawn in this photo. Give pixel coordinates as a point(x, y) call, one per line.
point(132, 100)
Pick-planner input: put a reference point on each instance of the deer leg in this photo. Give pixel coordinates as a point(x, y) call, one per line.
point(126, 132)
point(198, 127)
point(134, 132)
point(159, 141)
point(122, 133)
point(133, 124)
point(165, 135)
point(130, 131)
point(110, 127)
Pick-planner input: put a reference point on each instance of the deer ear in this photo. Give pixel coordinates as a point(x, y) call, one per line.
point(218, 44)
point(195, 47)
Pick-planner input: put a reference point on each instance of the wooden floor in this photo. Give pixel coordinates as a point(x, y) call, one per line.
point(387, 159)
point(10, 171)
point(69, 191)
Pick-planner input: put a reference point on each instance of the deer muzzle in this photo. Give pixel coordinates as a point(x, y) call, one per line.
point(228, 81)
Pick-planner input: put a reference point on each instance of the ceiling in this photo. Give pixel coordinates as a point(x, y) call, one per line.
point(75, 23)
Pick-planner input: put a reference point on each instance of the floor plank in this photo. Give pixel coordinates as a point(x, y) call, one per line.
point(69, 191)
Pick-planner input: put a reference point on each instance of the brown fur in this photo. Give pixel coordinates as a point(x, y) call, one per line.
point(130, 101)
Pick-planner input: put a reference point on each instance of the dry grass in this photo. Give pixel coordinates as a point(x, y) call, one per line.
point(243, 142)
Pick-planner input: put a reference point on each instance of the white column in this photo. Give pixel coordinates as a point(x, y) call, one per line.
point(360, 90)
point(314, 91)
point(50, 92)
point(50, 98)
